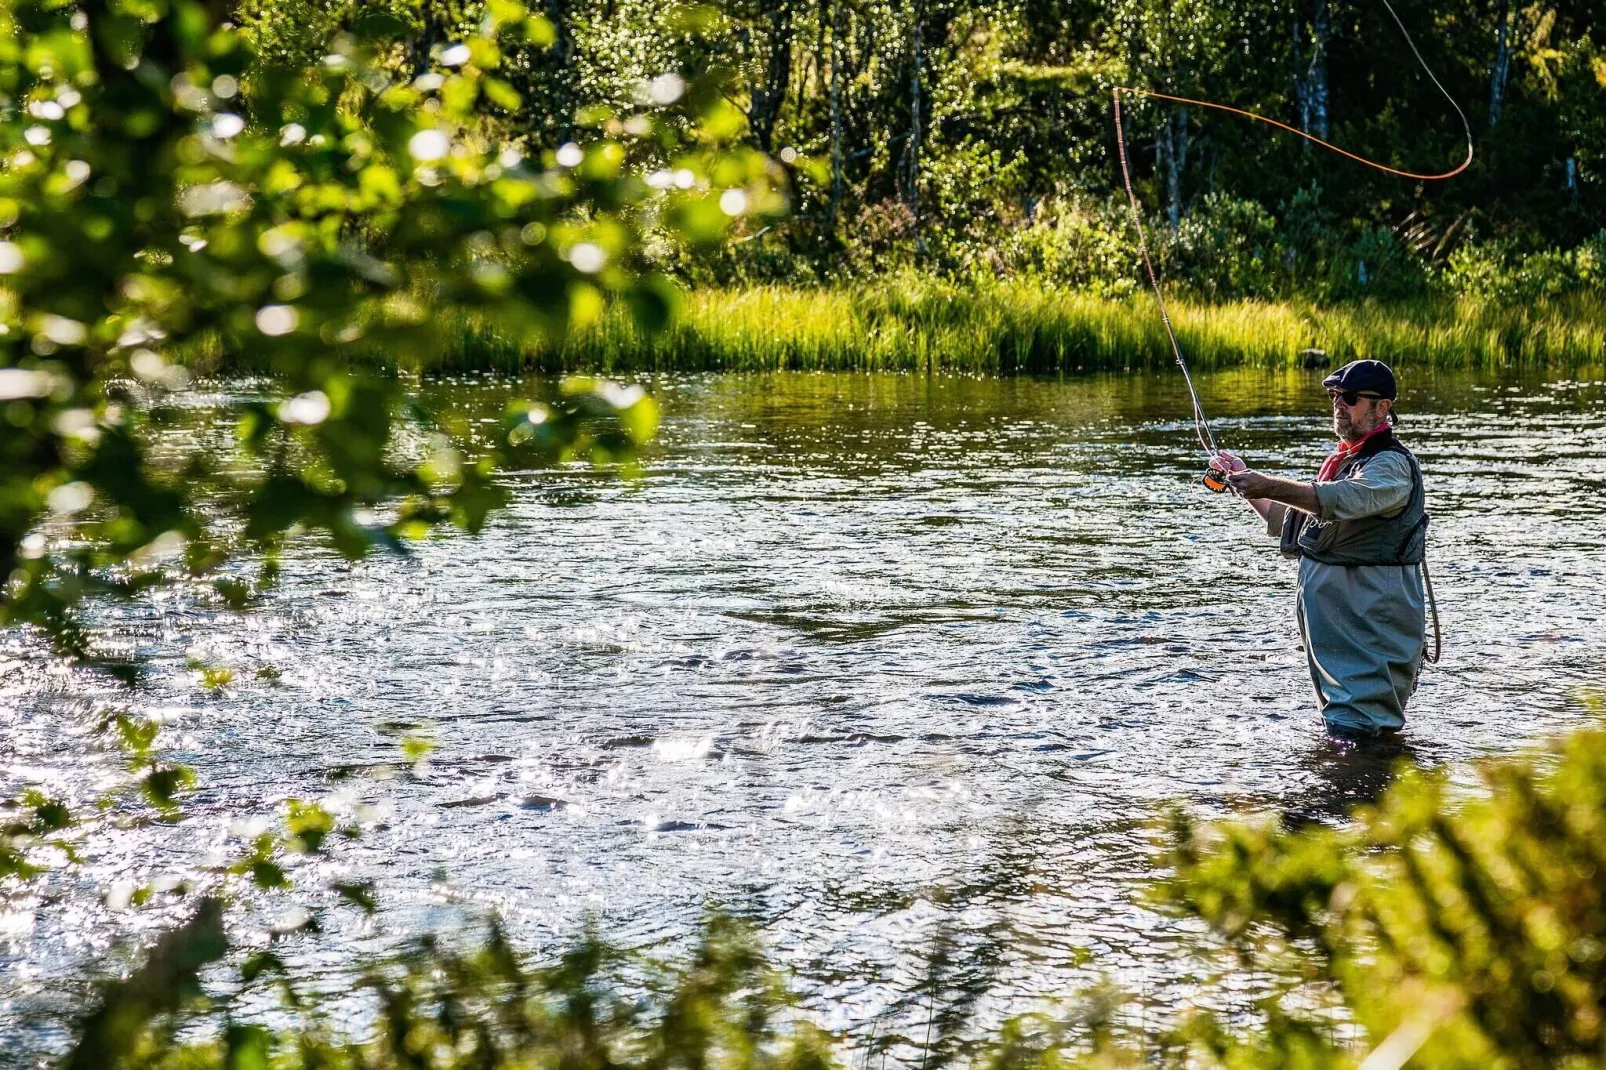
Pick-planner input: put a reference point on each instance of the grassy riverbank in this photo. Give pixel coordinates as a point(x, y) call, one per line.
point(1024, 327)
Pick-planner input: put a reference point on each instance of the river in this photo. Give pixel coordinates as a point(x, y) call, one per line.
point(882, 662)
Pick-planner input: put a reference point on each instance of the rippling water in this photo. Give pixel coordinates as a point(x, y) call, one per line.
point(883, 662)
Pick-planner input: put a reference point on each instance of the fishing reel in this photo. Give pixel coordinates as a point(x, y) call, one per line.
point(1214, 479)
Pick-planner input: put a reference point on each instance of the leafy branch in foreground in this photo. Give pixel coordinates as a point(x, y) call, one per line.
point(164, 194)
point(724, 1009)
point(161, 194)
point(1466, 935)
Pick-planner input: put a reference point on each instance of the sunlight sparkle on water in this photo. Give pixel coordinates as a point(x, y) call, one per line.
point(862, 656)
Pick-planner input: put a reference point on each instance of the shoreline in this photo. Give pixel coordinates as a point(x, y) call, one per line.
point(923, 325)
point(1024, 328)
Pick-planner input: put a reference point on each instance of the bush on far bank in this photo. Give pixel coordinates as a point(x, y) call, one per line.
point(1224, 248)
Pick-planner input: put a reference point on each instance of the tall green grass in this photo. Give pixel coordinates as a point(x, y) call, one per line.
point(1010, 327)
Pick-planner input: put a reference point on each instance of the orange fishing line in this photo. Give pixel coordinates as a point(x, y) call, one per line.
point(1207, 440)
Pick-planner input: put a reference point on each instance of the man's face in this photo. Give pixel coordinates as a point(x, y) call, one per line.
point(1357, 415)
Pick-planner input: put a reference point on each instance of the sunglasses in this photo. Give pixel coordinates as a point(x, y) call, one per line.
point(1350, 397)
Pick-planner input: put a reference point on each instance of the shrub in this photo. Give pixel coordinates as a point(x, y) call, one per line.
point(881, 240)
point(1376, 264)
point(968, 196)
point(1495, 270)
point(1309, 234)
point(1226, 247)
point(1468, 935)
point(1078, 245)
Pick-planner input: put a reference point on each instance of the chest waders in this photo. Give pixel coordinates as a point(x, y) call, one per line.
point(1400, 539)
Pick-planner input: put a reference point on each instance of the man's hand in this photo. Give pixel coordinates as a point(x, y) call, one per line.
point(1250, 483)
point(1228, 462)
point(1258, 489)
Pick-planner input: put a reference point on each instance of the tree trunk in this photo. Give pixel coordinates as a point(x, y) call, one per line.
point(912, 196)
point(1316, 73)
point(1310, 79)
point(561, 57)
point(836, 109)
point(431, 33)
point(1176, 157)
point(1301, 90)
point(1502, 61)
point(765, 101)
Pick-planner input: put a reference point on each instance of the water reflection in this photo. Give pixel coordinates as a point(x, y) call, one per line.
point(890, 662)
point(1348, 772)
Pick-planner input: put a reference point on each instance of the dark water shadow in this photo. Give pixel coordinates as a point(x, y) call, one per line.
point(1344, 773)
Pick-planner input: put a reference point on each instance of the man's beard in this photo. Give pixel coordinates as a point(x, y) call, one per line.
point(1343, 426)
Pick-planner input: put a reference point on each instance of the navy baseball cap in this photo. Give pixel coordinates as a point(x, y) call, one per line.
point(1366, 376)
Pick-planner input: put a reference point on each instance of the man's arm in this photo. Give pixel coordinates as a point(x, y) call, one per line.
point(1258, 488)
point(1382, 488)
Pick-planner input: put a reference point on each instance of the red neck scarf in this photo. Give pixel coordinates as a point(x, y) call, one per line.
point(1346, 450)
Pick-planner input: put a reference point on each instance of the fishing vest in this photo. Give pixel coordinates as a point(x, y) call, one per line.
point(1372, 540)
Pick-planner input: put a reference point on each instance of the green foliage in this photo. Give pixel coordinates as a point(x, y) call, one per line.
point(307, 825)
point(296, 33)
point(972, 193)
point(1447, 932)
point(158, 782)
point(1227, 247)
point(1074, 244)
point(150, 205)
point(923, 134)
point(444, 1009)
point(1377, 264)
point(27, 833)
point(1470, 935)
point(417, 748)
point(1496, 271)
point(169, 191)
point(117, 1032)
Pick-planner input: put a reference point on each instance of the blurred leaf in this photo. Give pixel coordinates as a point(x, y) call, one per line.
point(216, 677)
point(162, 786)
point(247, 1047)
point(359, 894)
point(268, 875)
point(168, 977)
point(307, 824)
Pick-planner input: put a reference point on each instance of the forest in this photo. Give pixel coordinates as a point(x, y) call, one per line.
point(973, 140)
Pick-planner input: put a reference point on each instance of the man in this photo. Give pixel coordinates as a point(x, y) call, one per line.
point(1358, 532)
